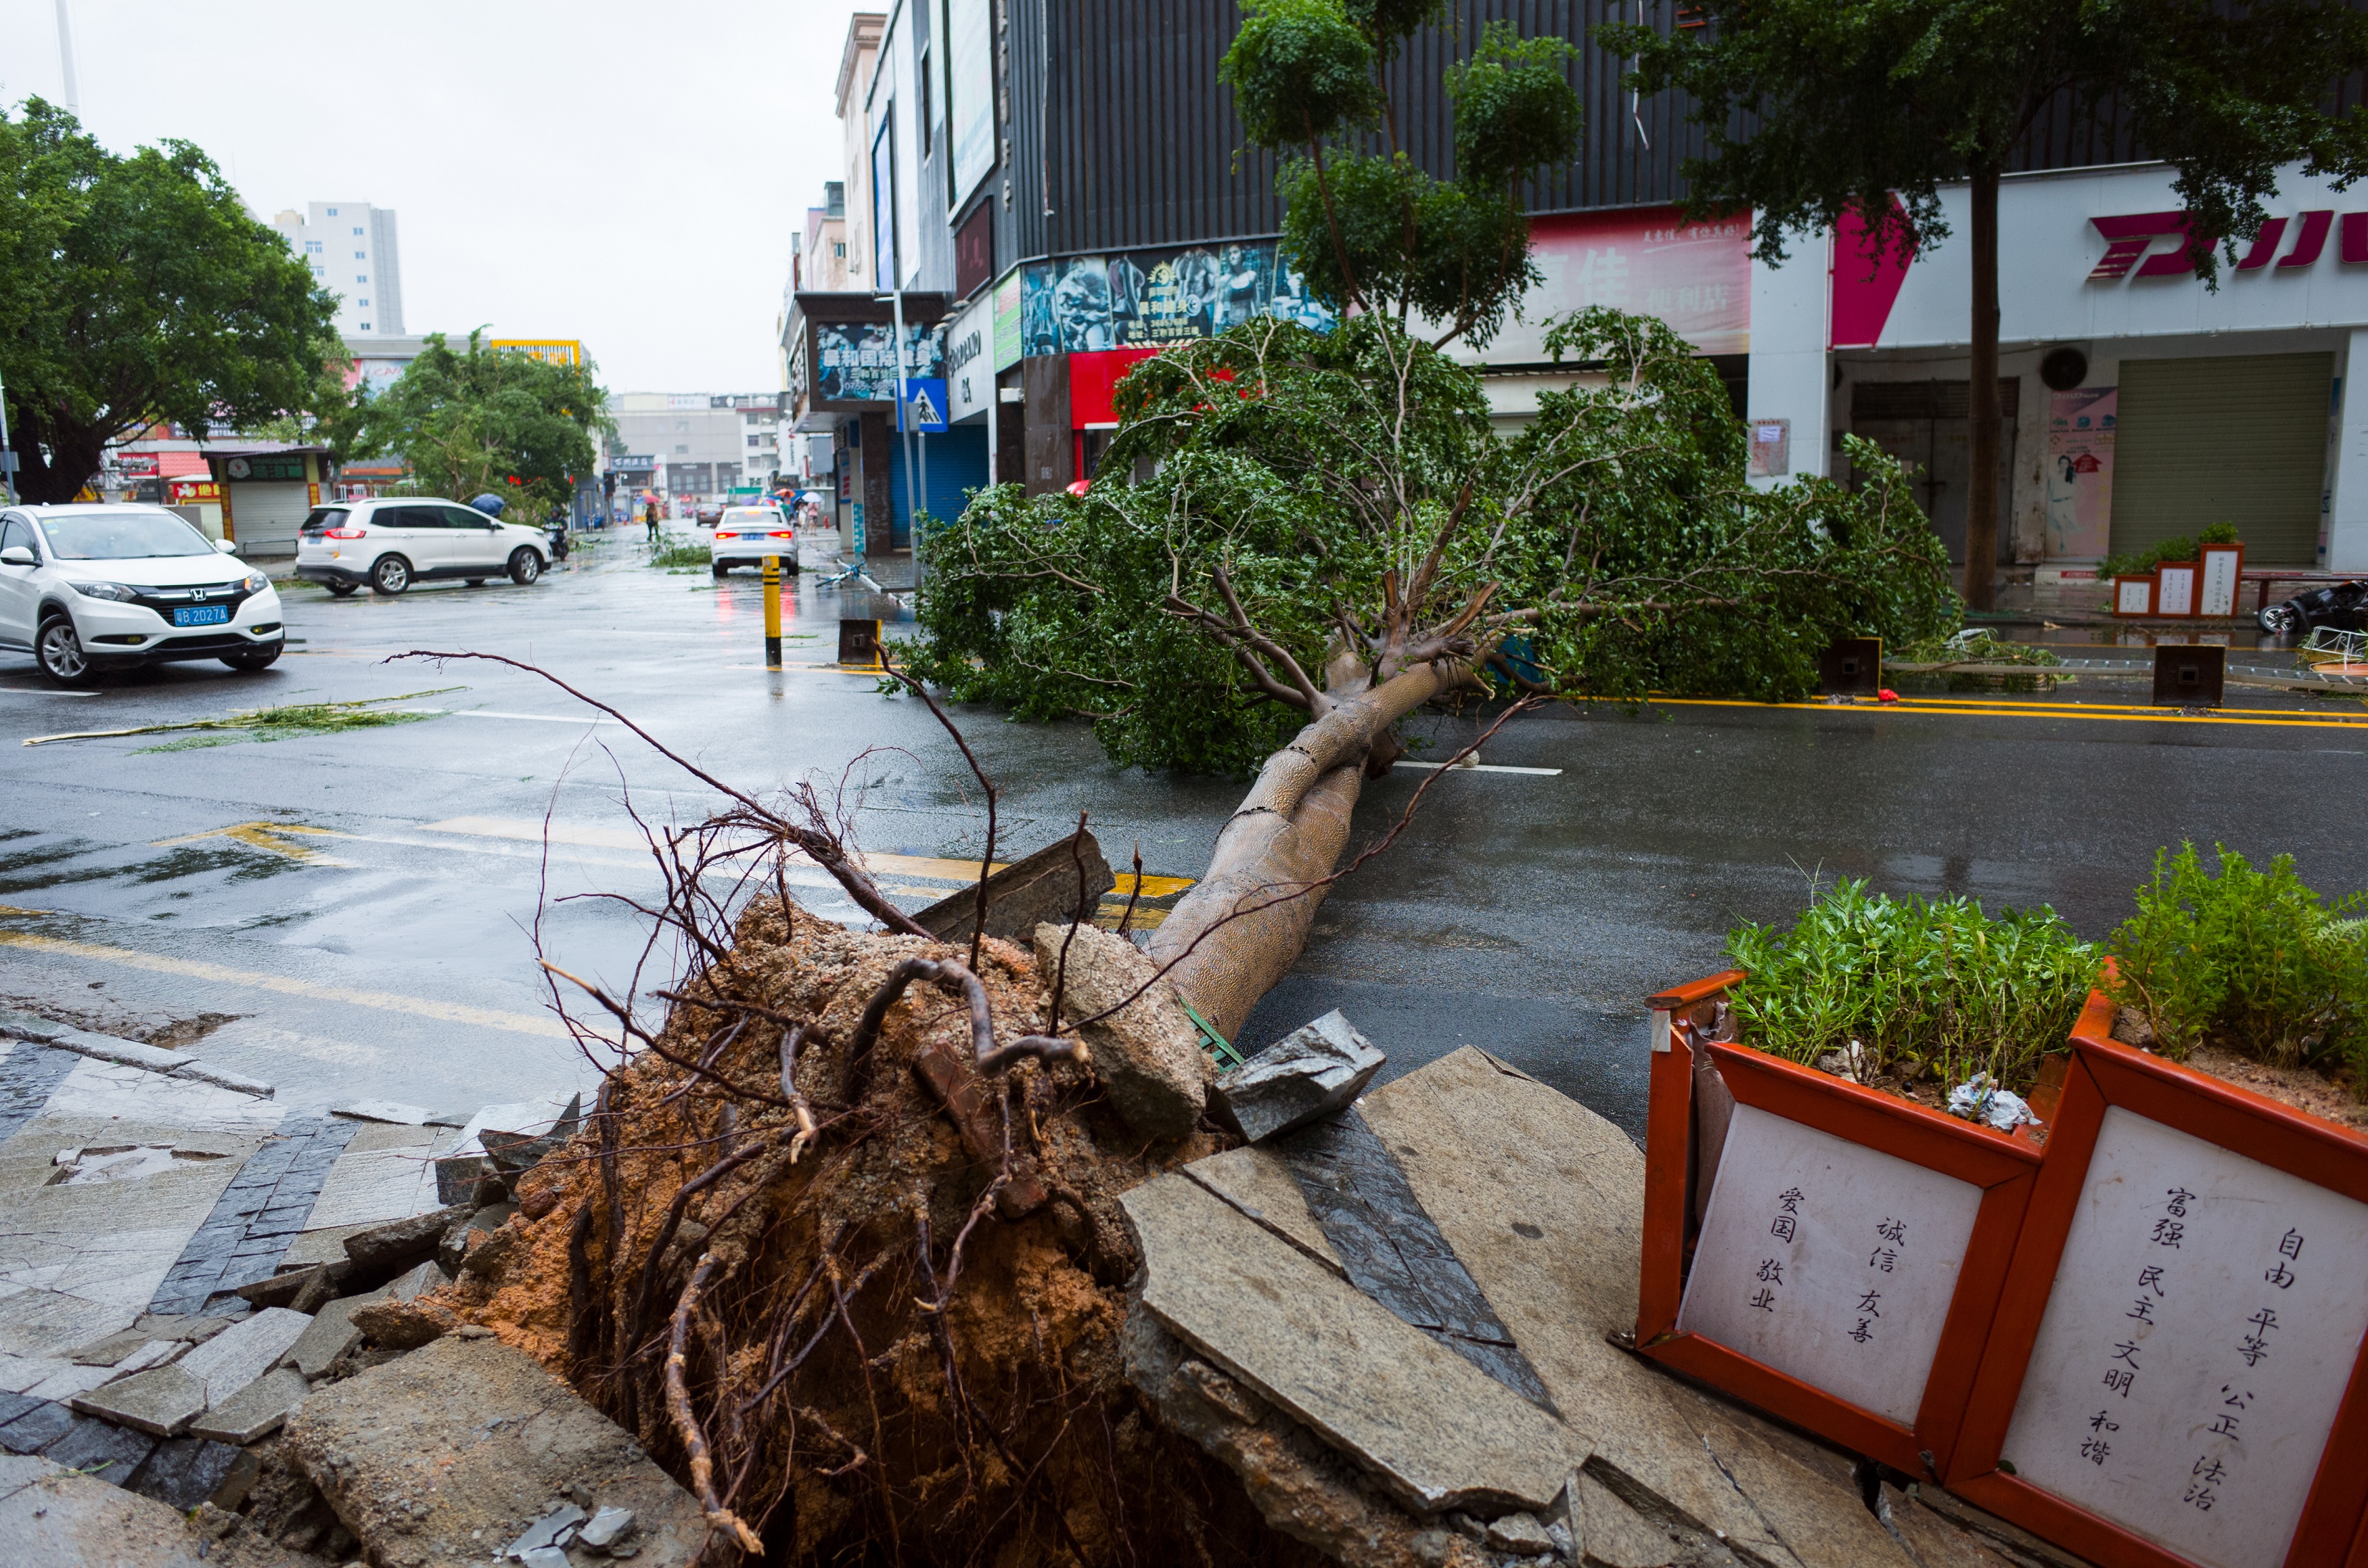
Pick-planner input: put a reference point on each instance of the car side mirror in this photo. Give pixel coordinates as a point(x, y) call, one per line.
point(227, 546)
point(17, 555)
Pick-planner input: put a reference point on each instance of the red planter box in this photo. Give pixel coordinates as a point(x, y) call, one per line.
point(2242, 1223)
point(1687, 1127)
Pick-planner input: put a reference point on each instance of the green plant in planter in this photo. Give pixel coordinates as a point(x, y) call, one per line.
point(2249, 959)
point(2138, 562)
point(1927, 988)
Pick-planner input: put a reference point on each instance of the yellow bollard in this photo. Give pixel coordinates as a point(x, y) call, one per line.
point(772, 612)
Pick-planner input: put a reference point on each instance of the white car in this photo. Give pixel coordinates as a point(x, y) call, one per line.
point(393, 543)
point(745, 535)
point(94, 588)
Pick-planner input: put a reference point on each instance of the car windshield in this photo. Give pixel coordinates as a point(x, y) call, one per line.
point(121, 536)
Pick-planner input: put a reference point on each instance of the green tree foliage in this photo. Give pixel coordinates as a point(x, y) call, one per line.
point(1813, 109)
point(1331, 508)
point(1369, 228)
point(134, 290)
point(477, 419)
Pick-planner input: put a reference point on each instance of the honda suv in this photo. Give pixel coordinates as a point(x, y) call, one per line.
point(391, 544)
point(94, 588)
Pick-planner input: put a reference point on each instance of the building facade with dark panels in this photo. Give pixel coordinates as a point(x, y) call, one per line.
point(1118, 209)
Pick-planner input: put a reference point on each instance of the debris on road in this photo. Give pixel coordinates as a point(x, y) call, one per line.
point(1312, 1072)
point(1063, 882)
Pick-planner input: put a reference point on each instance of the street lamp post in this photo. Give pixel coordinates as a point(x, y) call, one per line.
point(916, 499)
point(66, 60)
point(7, 451)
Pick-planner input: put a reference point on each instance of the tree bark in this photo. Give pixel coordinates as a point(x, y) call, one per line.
point(1288, 832)
point(1982, 401)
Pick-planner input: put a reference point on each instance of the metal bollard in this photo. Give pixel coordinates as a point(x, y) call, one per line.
point(772, 612)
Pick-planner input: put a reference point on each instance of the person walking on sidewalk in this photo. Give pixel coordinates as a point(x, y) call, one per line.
point(650, 517)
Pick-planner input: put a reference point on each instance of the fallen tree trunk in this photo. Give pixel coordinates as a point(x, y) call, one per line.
point(1241, 928)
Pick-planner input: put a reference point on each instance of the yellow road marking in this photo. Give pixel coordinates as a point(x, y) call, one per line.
point(413, 1006)
point(2119, 714)
point(1153, 887)
point(263, 836)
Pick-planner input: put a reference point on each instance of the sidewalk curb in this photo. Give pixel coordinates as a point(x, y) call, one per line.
point(128, 1053)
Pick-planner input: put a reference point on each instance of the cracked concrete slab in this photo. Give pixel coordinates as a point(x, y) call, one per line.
point(1436, 1431)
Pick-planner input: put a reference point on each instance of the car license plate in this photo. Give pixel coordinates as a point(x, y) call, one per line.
point(203, 615)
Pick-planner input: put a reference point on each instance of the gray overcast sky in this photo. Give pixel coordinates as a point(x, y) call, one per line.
point(628, 175)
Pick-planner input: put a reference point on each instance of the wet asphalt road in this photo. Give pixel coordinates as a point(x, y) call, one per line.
point(362, 905)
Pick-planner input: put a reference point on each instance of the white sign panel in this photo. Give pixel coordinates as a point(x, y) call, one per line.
point(1831, 1262)
point(2203, 1323)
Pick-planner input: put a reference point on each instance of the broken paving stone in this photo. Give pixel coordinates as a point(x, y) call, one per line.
point(385, 1250)
point(544, 1557)
point(101, 1449)
point(391, 1111)
point(1616, 1535)
point(323, 1287)
point(493, 1251)
point(469, 1435)
point(162, 1399)
point(238, 1355)
point(255, 1409)
point(36, 1428)
point(49, 1516)
point(188, 1327)
point(186, 1472)
point(1147, 1056)
point(455, 1244)
point(1433, 1429)
point(1309, 1073)
point(417, 1282)
point(110, 1350)
point(282, 1289)
point(332, 1335)
point(403, 1325)
point(1519, 1532)
point(607, 1528)
point(555, 1528)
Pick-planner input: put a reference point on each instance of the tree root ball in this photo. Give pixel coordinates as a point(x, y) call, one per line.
point(847, 1345)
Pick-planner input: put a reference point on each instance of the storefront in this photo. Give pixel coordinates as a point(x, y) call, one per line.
point(2138, 404)
point(265, 494)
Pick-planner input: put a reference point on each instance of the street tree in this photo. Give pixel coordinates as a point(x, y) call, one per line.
point(134, 290)
point(479, 418)
point(1816, 111)
point(1333, 535)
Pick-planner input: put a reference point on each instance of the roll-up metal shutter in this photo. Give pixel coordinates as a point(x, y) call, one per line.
point(265, 516)
point(2238, 439)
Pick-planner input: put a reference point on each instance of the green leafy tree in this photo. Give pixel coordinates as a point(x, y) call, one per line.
point(134, 290)
point(1370, 228)
point(1814, 110)
point(1336, 536)
point(478, 418)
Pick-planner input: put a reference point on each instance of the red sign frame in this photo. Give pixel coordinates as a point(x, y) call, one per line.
point(2005, 1168)
point(2334, 1527)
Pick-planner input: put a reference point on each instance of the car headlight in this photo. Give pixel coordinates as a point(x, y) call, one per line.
point(255, 583)
point(119, 592)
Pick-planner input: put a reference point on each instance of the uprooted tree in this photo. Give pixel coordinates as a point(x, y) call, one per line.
point(1334, 534)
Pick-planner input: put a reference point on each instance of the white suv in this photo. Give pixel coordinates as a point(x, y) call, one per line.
point(93, 588)
point(393, 543)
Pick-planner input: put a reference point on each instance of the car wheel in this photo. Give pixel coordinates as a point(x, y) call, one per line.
point(390, 575)
point(253, 658)
point(59, 653)
point(343, 590)
point(525, 566)
point(720, 568)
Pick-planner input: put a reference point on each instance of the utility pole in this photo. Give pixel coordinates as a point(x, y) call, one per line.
point(65, 59)
point(917, 500)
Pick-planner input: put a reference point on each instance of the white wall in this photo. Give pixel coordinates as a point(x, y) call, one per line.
point(1789, 377)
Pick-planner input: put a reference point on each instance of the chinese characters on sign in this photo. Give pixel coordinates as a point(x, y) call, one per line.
point(1829, 1261)
point(2199, 1336)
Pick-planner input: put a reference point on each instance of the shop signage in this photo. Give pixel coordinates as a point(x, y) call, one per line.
point(2129, 237)
point(856, 361)
point(1150, 299)
point(273, 468)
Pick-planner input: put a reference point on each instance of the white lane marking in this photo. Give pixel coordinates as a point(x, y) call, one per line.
point(1484, 767)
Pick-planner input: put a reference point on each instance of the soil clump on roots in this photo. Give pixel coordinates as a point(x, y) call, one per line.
point(863, 1288)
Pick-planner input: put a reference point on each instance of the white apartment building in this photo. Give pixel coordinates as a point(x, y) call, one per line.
point(352, 250)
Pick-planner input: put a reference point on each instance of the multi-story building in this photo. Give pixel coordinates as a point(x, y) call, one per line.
point(687, 448)
point(1056, 191)
point(352, 250)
